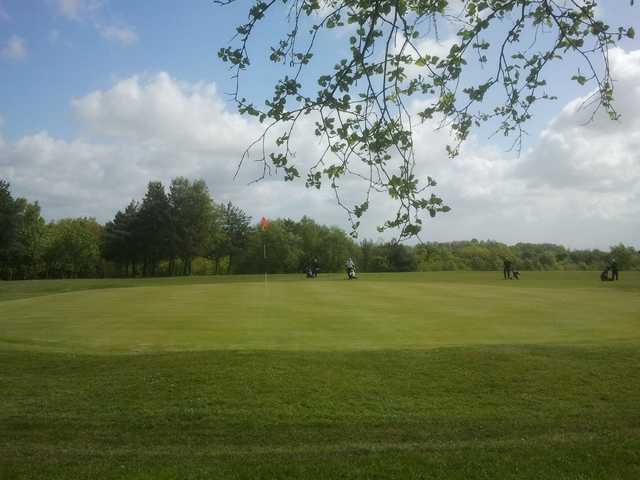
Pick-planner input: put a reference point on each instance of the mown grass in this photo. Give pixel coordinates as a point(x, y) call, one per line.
point(395, 376)
point(571, 279)
point(409, 311)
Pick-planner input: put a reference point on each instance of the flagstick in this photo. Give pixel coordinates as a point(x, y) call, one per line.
point(264, 224)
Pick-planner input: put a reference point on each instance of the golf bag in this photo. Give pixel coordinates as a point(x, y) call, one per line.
point(604, 276)
point(351, 273)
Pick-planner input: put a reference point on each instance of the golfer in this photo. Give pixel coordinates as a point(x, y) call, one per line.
point(613, 266)
point(351, 268)
point(506, 271)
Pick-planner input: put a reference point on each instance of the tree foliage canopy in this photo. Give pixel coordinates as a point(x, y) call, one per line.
point(360, 105)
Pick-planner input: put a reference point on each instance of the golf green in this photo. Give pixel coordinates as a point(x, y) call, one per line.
point(434, 375)
point(373, 313)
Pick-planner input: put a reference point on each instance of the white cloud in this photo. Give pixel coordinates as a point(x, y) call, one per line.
point(119, 34)
point(159, 109)
point(63, 175)
point(437, 47)
point(15, 49)
point(598, 155)
point(578, 185)
point(147, 128)
point(94, 12)
point(78, 9)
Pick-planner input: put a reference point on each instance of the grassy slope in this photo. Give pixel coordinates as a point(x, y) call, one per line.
point(378, 405)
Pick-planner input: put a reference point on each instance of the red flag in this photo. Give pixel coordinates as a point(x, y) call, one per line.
point(264, 224)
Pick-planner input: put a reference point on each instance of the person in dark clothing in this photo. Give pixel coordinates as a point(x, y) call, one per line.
point(614, 269)
point(507, 269)
point(308, 271)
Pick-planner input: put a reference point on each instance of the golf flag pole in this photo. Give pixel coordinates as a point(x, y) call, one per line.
point(264, 226)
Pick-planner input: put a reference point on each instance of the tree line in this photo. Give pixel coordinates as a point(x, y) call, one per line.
point(181, 230)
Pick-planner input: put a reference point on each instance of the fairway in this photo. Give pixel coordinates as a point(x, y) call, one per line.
point(419, 375)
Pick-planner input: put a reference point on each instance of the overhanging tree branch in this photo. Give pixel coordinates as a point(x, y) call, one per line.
point(360, 106)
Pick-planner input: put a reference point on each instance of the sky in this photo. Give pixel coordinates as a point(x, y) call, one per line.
point(99, 97)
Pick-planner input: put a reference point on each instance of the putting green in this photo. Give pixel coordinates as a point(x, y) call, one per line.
point(410, 311)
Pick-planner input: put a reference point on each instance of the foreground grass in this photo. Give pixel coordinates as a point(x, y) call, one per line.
point(394, 376)
point(490, 412)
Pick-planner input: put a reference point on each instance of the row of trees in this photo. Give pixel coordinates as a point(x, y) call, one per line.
point(490, 255)
point(182, 231)
point(31, 248)
point(166, 231)
point(162, 234)
point(173, 227)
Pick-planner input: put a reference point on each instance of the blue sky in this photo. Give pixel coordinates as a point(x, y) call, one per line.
point(68, 53)
point(57, 53)
point(68, 56)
